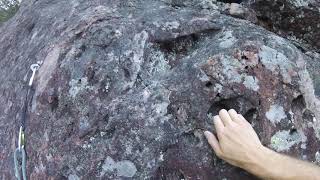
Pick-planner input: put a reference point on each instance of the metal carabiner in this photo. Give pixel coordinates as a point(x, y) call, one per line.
point(20, 166)
point(20, 158)
point(21, 140)
point(34, 68)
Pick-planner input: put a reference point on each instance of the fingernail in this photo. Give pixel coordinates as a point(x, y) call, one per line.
point(215, 117)
point(206, 133)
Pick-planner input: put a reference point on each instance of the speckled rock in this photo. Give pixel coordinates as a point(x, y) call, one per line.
point(126, 89)
point(296, 20)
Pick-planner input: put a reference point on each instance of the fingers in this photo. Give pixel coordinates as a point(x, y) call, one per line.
point(213, 141)
point(234, 116)
point(218, 124)
point(224, 116)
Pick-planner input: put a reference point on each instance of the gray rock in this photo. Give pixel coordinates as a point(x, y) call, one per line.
point(296, 20)
point(133, 84)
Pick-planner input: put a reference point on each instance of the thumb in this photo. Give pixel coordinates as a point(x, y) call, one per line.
point(213, 141)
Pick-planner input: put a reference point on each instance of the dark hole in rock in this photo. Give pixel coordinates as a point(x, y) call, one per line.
point(244, 57)
point(177, 3)
point(293, 131)
point(279, 3)
point(83, 47)
point(54, 102)
point(190, 138)
point(30, 27)
point(242, 105)
point(126, 73)
point(180, 45)
point(224, 104)
point(230, 1)
point(298, 104)
point(177, 48)
point(298, 107)
point(140, 148)
point(106, 118)
point(181, 177)
point(301, 48)
point(62, 177)
point(110, 132)
point(251, 115)
point(265, 21)
point(209, 84)
point(139, 81)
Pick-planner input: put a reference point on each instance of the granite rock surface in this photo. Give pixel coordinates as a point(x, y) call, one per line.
point(126, 89)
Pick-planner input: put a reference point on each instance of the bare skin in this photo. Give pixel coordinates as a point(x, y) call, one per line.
point(238, 144)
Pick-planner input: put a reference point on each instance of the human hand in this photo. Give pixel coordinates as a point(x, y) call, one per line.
point(237, 143)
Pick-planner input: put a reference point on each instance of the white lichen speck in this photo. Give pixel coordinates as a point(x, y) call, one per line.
point(251, 82)
point(123, 168)
point(300, 3)
point(274, 60)
point(227, 40)
point(276, 113)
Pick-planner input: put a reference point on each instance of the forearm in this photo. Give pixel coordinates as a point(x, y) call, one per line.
point(268, 164)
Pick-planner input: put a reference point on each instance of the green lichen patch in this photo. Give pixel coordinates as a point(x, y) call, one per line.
point(284, 140)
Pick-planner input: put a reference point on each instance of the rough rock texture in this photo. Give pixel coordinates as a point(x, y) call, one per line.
point(126, 89)
point(296, 20)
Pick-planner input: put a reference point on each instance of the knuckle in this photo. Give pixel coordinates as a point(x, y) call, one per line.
point(222, 132)
point(232, 124)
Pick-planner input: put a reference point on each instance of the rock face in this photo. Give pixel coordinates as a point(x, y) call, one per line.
point(295, 19)
point(126, 89)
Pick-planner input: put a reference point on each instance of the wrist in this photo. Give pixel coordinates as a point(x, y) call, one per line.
point(261, 162)
point(268, 164)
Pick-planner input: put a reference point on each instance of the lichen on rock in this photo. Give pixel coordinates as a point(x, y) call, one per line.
point(276, 113)
point(284, 140)
point(123, 168)
point(126, 88)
